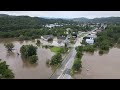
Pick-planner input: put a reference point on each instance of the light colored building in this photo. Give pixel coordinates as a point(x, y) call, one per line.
point(91, 36)
point(47, 37)
point(63, 40)
point(90, 41)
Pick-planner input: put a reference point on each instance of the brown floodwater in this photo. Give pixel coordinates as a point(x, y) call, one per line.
point(106, 66)
point(21, 68)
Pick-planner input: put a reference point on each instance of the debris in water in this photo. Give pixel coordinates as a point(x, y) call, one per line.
point(87, 69)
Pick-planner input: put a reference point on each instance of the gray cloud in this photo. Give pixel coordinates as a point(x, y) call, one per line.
point(64, 14)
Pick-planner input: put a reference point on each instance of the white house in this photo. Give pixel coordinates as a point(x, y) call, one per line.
point(90, 41)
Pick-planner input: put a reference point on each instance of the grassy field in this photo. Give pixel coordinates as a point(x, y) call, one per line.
point(82, 34)
point(56, 49)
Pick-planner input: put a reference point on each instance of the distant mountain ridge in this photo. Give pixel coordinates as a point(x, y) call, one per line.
point(3, 15)
point(45, 20)
point(99, 20)
point(82, 19)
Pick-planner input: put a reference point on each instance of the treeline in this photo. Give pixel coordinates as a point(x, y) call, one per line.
point(26, 27)
point(77, 65)
point(10, 23)
point(37, 33)
point(108, 38)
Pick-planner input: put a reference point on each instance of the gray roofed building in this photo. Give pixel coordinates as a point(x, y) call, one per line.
point(63, 39)
point(47, 37)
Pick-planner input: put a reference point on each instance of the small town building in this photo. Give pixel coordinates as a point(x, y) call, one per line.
point(47, 37)
point(90, 38)
point(90, 41)
point(63, 40)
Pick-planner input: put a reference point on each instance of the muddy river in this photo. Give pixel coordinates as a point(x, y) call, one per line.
point(95, 66)
point(22, 69)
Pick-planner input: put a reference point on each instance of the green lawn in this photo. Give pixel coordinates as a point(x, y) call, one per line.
point(56, 49)
point(82, 34)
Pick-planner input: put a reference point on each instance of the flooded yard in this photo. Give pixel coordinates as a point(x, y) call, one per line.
point(106, 66)
point(22, 69)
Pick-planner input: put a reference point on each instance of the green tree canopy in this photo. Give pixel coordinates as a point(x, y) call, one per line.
point(9, 46)
point(5, 72)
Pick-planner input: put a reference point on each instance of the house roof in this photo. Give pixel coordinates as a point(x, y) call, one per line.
point(61, 37)
point(48, 36)
point(91, 36)
point(90, 41)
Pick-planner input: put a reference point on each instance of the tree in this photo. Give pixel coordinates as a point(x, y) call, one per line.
point(77, 65)
point(79, 48)
point(56, 59)
point(9, 46)
point(118, 41)
point(21, 37)
point(29, 52)
point(101, 51)
point(5, 72)
point(38, 42)
point(33, 59)
point(79, 54)
point(104, 45)
point(89, 48)
point(50, 39)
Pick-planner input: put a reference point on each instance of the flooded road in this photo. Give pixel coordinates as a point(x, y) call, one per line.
point(20, 67)
point(96, 66)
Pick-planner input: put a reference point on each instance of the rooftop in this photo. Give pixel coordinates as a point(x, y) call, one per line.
point(91, 36)
point(48, 36)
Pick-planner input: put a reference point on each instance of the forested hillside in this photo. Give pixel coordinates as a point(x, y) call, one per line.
point(26, 27)
point(10, 23)
point(99, 20)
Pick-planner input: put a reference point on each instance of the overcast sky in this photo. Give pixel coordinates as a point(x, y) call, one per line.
point(64, 14)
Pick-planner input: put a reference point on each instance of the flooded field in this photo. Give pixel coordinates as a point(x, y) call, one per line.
point(106, 66)
point(22, 69)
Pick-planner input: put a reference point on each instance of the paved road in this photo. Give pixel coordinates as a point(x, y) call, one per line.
point(64, 71)
point(63, 65)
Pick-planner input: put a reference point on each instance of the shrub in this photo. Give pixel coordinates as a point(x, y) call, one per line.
point(56, 59)
point(101, 51)
point(28, 50)
point(33, 59)
point(9, 46)
point(38, 42)
point(77, 65)
point(5, 72)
